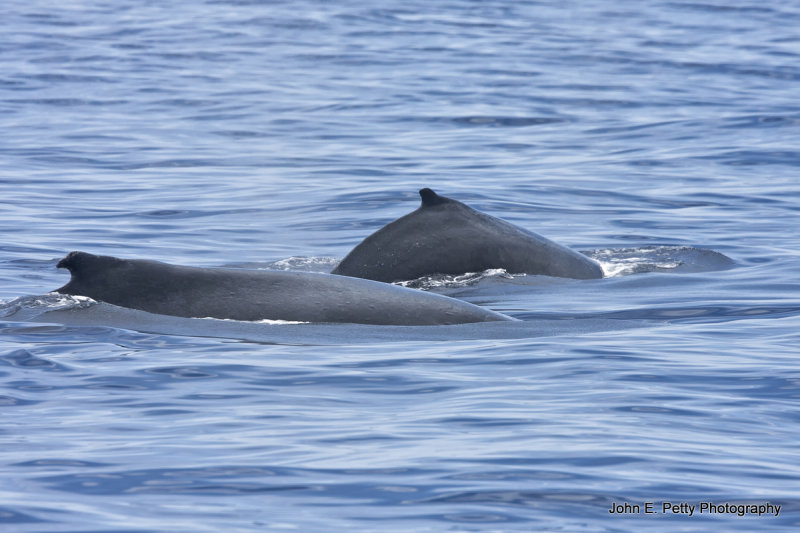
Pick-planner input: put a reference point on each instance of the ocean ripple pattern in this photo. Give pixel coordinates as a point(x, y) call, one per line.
point(658, 137)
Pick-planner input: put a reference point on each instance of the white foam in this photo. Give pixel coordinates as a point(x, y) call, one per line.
point(450, 281)
point(262, 321)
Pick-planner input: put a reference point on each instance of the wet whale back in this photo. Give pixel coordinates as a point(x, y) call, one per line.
point(444, 236)
point(252, 295)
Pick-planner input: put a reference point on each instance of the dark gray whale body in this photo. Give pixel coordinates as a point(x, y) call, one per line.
point(445, 236)
point(252, 295)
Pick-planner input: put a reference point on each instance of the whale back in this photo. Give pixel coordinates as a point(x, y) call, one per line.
point(445, 236)
point(251, 295)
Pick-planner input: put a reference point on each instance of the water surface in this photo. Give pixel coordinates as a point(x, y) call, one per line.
point(658, 137)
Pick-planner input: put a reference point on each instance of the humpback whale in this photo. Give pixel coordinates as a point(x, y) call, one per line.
point(445, 236)
point(252, 295)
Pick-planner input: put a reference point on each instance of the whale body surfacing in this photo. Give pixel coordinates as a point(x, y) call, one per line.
point(444, 236)
point(252, 295)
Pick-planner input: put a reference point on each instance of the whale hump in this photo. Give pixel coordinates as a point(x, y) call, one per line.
point(250, 295)
point(70, 261)
point(430, 198)
point(78, 262)
point(445, 236)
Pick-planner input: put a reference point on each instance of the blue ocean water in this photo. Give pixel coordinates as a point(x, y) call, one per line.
point(659, 137)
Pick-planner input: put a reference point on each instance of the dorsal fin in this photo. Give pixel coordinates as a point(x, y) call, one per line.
point(77, 262)
point(70, 262)
point(430, 198)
